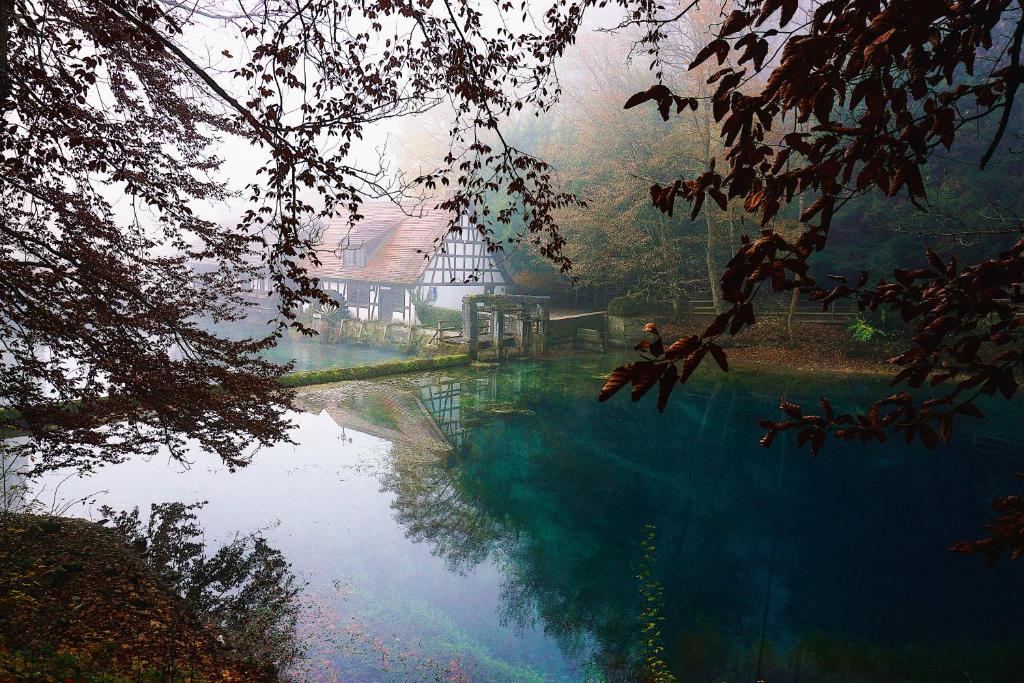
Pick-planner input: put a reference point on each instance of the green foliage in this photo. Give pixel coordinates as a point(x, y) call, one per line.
point(863, 330)
point(429, 315)
point(307, 378)
point(656, 670)
point(881, 329)
point(636, 304)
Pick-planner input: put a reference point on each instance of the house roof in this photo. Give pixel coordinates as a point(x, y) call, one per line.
point(408, 241)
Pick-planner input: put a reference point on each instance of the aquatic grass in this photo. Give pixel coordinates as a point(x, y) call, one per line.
point(327, 375)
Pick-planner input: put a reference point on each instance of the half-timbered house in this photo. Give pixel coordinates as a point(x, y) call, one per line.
point(395, 253)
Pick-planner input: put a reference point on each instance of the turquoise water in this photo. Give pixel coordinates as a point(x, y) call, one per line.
point(515, 557)
point(312, 353)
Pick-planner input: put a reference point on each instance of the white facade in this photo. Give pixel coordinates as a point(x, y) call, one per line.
point(461, 266)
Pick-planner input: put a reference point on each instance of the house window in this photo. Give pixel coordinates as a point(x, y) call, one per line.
point(431, 293)
point(360, 294)
point(354, 257)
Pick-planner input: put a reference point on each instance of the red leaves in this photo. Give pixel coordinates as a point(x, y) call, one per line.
point(970, 410)
point(665, 386)
point(928, 436)
point(769, 8)
point(744, 317)
point(659, 93)
point(824, 202)
point(642, 375)
point(718, 47)
point(664, 98)
point(664, 198)
point(886, 85)
point(661, 366)
point(619, 378)
point(720, 323)
point(682, 347)
point(1006, 531)
point(719, 355)
point(736, 21)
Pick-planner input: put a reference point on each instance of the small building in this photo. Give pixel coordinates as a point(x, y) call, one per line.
point(395, 253)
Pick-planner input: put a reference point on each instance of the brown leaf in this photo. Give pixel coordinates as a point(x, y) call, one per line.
point(682, 347)
point(691, 363)
point(619, 378)
point(645, 375)
point(665, 386)
point(718, 353)
point(717, 47)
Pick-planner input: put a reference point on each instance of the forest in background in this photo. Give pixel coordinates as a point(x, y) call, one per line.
point(620, 244)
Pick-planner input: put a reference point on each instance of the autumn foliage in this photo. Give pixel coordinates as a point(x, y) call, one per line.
point(870, 91)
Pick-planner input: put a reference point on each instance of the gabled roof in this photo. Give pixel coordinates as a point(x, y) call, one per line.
point(397, 259)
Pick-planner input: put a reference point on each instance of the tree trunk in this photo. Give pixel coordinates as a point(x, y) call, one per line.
point(6, 19)
point(789, 317)
point(709, 260)
point(709, 246)
point(796, 292)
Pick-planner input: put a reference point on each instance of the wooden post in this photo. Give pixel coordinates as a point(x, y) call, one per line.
point(525, 323)
point(545, 329)
point(473, 331)
point(498, 333)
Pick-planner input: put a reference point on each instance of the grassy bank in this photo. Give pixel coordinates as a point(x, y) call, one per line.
point(310, 377)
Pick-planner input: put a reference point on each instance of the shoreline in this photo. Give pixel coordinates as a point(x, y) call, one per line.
point(82, 604)
point(802, 360)
point(758, 359)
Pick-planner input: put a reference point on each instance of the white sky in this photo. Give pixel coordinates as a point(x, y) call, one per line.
point(205, 42)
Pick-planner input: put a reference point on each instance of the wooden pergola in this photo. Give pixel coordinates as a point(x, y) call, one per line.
point(497, 326)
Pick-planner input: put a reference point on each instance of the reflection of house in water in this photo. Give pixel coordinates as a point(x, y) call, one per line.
point(395, 416)
point(443, 400)
point(427, 415)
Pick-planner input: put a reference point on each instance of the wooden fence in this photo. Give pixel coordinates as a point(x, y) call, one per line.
point(836, 313)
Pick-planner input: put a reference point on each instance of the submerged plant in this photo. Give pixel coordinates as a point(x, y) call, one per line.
point(655, 668)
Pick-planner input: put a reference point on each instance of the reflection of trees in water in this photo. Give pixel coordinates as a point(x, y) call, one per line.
point(560, 501)
point(549, 522)
point(245, 589)
point(431, 506)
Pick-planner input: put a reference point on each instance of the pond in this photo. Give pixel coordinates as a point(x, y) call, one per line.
point(311, 353)
point(517, 554)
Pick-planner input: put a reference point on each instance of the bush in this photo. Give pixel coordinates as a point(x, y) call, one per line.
point(429, 315)
point(881, 332)
point(307, 378)
point(635, 305)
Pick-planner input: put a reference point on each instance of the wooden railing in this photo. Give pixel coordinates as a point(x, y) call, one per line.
point(805, 310)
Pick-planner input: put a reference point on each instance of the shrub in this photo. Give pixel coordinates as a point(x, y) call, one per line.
point(429, 315)
point(881, 331)
point(307, 378)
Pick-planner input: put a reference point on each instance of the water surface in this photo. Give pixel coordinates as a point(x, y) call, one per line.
point(515, 555)
point(311, 352)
